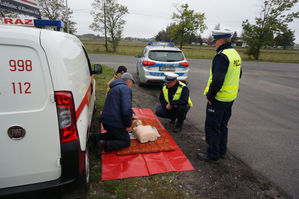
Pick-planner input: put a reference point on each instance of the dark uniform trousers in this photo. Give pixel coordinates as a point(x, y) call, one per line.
point(115, 138)
point(217, 117)
point(178, 113)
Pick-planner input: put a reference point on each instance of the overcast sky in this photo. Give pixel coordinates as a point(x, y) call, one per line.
point(147, 17)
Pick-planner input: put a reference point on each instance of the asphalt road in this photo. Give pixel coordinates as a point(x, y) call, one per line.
point(264, 127)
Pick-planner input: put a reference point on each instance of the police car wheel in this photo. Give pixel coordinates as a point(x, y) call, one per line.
point(140, 83)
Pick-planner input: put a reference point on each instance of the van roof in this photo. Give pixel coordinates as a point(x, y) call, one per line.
point(18, 32)
point(62, 49)
point(21, 32)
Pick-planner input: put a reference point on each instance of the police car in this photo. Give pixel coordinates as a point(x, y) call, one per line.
point(158, 58)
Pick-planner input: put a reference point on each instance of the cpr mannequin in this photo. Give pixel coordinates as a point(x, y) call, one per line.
point(143, 133)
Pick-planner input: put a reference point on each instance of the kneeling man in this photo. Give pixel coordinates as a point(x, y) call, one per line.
point(117, 114)
point(175, 101)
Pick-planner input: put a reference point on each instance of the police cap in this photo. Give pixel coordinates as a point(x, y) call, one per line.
point(225, 33)
point(170, 76)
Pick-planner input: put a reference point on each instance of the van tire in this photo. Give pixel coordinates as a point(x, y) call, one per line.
point(84, 180)
point(80, 189)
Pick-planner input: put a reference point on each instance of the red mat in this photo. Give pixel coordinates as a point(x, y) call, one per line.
point(161, 144)
point(145, 164)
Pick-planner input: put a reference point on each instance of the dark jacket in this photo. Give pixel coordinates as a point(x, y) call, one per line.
point(171, 91)
point(117, 111)
point(219, 69)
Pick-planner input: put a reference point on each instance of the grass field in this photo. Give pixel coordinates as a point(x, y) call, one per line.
point(162, 186)
point(195, 52)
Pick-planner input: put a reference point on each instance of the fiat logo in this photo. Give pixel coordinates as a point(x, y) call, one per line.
point(16, 132)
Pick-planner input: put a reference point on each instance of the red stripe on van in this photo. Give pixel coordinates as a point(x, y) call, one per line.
point(84, 102)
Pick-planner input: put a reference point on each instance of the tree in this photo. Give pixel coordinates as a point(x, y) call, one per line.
point(56, 10)
point(187, 22)
point(234, 37)
point(285, 39)
point(99, 19)
point(274, 19)
point(210, 40)
point(108, 17)
point(162, 36)
point(195, 39)
point(166, 35)
point(9, 14)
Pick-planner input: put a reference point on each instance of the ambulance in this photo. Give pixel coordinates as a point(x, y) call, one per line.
point(47, 99)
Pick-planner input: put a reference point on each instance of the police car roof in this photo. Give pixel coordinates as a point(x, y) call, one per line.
point(166, 48)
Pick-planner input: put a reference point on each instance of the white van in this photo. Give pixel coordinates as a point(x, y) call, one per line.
point(47, 96)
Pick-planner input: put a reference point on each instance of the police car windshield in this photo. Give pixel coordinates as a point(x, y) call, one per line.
point(168, 56)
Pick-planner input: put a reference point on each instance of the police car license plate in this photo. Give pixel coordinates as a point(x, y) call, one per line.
point(167, 68)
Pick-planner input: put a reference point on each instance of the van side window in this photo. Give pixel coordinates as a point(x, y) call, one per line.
point(88, 61)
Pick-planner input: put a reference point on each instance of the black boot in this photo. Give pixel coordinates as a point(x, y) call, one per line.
point(204, 157)
point(177, 129)
point(172, 121)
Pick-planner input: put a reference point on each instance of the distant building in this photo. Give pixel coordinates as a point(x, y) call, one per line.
point(240, 43)
point(206, 42)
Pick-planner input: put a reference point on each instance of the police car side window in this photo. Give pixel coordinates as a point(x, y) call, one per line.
point(144, 52)
point(87, 58)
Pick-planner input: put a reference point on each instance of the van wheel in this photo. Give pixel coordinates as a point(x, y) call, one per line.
point(84, 181)
point(81, 187)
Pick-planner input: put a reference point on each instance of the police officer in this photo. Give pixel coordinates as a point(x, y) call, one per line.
point(175, 101)
point(221, 91)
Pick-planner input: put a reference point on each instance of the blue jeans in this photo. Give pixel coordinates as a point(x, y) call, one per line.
point(217, 117)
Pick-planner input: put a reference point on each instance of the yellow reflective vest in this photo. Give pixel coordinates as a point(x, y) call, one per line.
point(108, 83)
point(177, 94)
point(230, 87)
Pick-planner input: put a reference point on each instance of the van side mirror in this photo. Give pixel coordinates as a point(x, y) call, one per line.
point(138, 56)
point(97, 69)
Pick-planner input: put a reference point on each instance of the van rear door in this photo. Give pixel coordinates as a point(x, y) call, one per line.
point(29, 132)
